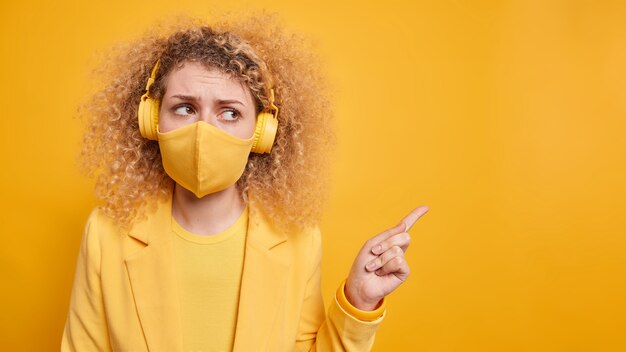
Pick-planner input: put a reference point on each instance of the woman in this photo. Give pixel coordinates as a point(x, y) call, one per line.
point(209, 144)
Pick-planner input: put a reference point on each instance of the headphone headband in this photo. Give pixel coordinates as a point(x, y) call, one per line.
point(152, 75)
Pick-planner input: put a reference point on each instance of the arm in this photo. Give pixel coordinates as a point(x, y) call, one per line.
point(86, 327)
point(338, 330)
point(358, 308)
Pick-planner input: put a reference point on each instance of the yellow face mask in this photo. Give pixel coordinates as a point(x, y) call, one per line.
point(202, 158)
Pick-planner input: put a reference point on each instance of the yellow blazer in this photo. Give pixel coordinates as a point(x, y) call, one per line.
point(125, 294)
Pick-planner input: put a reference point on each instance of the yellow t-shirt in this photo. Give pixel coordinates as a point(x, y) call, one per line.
point(209, 280)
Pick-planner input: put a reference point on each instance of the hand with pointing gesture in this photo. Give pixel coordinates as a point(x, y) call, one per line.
point(380, 268)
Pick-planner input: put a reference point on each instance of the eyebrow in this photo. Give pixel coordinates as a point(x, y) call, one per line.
point(185, 97)
point(195, 98)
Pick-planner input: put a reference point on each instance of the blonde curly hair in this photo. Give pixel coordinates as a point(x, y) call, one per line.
point(288, 184)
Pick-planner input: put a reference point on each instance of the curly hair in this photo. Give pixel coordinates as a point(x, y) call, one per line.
point(288, 184)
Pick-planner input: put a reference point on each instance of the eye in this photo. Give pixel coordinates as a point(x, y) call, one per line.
point(183, 110)
point(230, 115)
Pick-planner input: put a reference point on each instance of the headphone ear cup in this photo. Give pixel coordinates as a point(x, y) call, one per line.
point(148, 117)
point(264, 133)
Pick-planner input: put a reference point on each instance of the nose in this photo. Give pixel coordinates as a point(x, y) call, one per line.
point(209, 117)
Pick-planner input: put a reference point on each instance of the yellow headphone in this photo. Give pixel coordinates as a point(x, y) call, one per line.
point(264, 132)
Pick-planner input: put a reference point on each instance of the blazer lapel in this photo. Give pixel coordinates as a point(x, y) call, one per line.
point(262, 285)
point(152, 276)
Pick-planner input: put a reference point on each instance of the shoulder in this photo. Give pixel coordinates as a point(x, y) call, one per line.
point(99, 226)
point(101, 234)
point(310, 238)
point(106, 246)
point(307, 242)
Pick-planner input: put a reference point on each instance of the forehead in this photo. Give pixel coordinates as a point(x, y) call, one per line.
point(193, 78)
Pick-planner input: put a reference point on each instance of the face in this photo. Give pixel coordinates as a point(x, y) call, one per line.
point(194, 94)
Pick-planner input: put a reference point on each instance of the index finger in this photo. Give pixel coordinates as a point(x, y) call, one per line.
point(413, 216)
point(403, 226)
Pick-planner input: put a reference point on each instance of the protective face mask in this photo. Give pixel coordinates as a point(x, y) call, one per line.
point(202, 158)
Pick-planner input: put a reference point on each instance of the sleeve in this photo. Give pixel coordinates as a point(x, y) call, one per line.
point(338, 330)
point(86, 327)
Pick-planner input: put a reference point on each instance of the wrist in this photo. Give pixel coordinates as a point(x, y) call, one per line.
point(361, 314)
point(359, 303)
point(356, 300)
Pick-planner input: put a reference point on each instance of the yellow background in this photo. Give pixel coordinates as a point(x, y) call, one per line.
point(507, 118)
